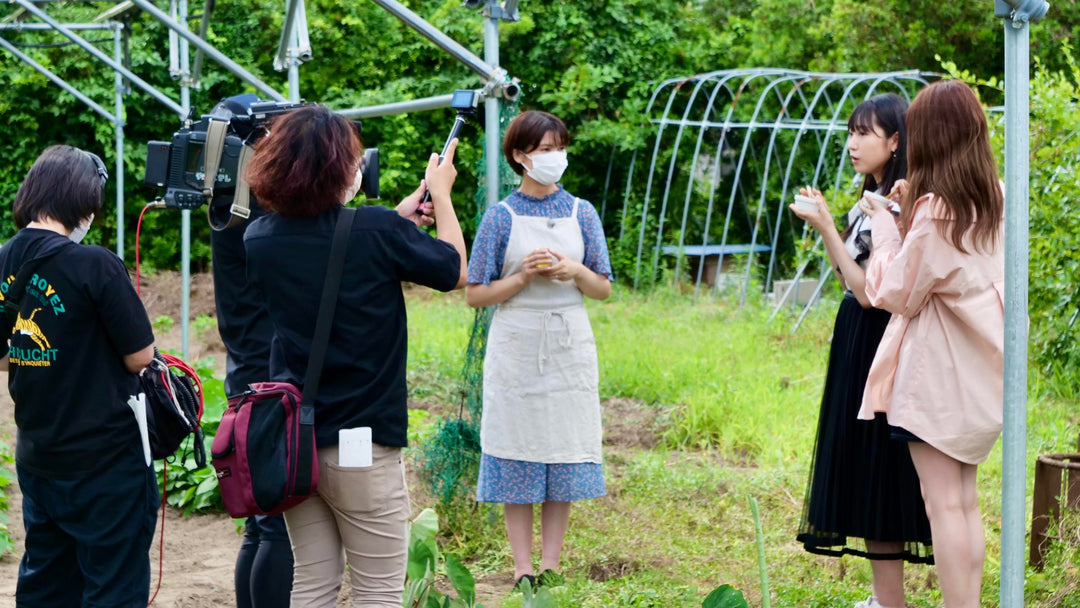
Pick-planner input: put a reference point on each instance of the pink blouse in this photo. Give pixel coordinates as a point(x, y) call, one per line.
point(939, 370)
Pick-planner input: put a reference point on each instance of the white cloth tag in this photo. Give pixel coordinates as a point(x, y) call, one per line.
point(137, 403)
point(354, 447)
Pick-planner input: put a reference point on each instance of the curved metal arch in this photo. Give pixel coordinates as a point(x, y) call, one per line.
point(648, 187)
point(771, 87)
point(693, 166)
point(738, 170)
point(677, 104)
point(765, 181)
point(717, 171)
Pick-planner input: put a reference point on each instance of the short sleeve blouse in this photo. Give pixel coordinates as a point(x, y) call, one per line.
point(489, 246)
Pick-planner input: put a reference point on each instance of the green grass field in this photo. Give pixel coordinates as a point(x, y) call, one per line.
point(730, 403)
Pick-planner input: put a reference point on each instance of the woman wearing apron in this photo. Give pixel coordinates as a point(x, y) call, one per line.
point(537, 255)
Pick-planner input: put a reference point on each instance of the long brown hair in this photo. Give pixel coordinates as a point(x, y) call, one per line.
point(949, 155)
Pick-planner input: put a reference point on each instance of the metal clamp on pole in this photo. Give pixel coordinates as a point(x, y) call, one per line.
point(494, 9)
point(1021, 11)
point(501, 86)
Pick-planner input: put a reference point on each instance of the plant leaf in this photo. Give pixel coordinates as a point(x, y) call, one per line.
point(421, 562)
point(725, 596)
point(461, 578)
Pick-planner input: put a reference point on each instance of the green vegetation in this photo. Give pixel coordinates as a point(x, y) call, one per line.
point(162, 324)
point(425, 560)
point(676, 523)
point(725, 596)
point(188, 487)
point(708, 406)
point(204, 324)
point(592, 62)
point(6, 477)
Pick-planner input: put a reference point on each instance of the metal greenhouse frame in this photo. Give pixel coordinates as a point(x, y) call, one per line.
point(720, 145)
point(293, 49)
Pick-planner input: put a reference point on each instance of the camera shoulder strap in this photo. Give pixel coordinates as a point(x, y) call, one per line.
point(241, 206)
point(215, 143)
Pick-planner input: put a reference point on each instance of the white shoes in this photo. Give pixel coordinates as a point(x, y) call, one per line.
point(870, 602)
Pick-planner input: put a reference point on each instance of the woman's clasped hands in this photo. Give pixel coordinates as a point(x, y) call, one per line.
point(549, 264)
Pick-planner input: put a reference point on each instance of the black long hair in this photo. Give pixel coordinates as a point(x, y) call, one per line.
point(888, 111)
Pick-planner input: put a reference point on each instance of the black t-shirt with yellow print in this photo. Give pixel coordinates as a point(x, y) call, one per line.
point(77, 319)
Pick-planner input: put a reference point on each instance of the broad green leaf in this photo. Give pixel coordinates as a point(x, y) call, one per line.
point(421, 563)
point(461, 579)
point(725, 596)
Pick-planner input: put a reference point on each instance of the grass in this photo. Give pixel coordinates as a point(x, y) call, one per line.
point(735, 402)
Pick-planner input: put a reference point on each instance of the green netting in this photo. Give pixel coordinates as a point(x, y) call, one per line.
point(450, 458)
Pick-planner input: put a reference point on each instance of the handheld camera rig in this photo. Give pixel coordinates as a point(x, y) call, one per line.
point(465, 102)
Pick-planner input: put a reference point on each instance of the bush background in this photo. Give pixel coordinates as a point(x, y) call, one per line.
point(592, 62)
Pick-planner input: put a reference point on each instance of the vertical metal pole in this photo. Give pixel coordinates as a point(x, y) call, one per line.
point(491, 113)
point(185, 215)
point(118, 113)
point(174, 59)
point(1014, 442)
point(294, 76)
point(291, 39)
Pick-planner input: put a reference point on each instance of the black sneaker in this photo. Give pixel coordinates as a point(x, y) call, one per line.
point(550, 578)
point(518, 586)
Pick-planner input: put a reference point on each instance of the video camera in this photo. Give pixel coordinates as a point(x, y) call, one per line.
point(222, 140)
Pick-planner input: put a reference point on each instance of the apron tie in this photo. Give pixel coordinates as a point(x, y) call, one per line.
point(565, 341)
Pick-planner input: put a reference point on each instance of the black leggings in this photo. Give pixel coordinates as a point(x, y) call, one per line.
point(264, 567)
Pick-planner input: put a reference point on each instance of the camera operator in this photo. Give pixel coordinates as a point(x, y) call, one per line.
point(301, 172)
point(264, 564)
point(78, 338)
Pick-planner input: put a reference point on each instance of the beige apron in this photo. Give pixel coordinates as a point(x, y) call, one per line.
point(541, 395)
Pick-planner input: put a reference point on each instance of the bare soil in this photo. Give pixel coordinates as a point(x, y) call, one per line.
point(200, 550)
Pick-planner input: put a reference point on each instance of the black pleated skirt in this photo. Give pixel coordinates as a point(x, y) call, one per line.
point(862, 485)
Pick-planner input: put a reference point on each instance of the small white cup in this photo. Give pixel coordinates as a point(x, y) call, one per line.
point(805, 203)
point(883, 201)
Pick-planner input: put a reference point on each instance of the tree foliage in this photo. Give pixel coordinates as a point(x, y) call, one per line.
point(592, 62)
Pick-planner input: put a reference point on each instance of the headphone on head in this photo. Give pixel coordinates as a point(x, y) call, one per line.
point(100, 167)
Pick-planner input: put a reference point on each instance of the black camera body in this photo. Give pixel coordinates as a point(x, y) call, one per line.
point(179, 165)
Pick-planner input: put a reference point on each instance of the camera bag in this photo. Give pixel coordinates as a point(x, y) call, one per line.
point(174, 407)
point(264, 451)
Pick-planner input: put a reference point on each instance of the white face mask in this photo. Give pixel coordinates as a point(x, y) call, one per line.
point(80, 231)
point(350, 192)
point(547, 168)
